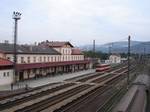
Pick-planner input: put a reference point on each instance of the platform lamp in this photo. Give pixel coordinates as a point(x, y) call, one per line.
point(16, 17)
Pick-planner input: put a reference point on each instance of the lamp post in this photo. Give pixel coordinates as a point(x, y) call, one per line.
point(16, 17)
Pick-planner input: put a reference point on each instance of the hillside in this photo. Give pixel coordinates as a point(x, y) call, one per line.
point(120, 47)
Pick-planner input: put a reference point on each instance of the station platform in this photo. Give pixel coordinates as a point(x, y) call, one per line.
point(45, 80)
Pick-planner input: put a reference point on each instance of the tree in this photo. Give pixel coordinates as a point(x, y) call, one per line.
point(91, 54)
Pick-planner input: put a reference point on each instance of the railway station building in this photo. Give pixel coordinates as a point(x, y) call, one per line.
point(47, 58)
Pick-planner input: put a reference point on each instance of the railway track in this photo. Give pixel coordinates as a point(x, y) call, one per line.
point(120, 70)
point(112, 100)
point(101, 99)
point(99, 80)
point(41, 105)
point(79, 77)
point(27, 91)
point(90, 77)
point(92, 100)
point(80, 102)
point(21, 100)
point(53, 100)
point(84, 79)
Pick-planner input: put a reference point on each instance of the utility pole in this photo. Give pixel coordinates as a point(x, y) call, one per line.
point(94, 49)
point(93, 46)
point(16, 17)
point(144, 54)
point(128, 75)
point(110, 48)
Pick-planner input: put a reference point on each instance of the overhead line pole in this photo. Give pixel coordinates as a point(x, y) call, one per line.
point(109, 52)
point(144, 54)
point(128, 75)
point(94, 46)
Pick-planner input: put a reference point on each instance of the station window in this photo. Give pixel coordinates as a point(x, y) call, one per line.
point(34, 59)
point(44, 59)
point(28, 58)
point(48, 59)
point(8, 58)
point(55, 59)
point(22, 59)
point(4, 74)
point(8, 74)
point(40, 59)
point(52, 59)
point(34, 71)
point(28, 72)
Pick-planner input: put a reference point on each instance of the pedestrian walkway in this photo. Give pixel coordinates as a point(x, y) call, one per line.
point(46, 80)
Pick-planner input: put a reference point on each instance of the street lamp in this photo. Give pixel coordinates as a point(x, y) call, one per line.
point(16, 17)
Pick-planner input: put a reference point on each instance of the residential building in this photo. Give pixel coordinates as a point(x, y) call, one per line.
point(115, 58)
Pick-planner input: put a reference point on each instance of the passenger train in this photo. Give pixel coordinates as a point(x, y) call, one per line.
point(103, 68)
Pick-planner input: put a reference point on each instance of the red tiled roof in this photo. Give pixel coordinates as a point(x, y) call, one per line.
point(4, 62)
point(76, 51)
point(49, 64)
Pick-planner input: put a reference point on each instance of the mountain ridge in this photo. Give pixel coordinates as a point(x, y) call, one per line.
point(120, 47)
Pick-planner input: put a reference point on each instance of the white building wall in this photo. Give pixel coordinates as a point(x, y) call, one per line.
point(115, 59)
point(7, 78)
point(44, 58)
point(66, 54)
point(47, 58)
point(77, 57)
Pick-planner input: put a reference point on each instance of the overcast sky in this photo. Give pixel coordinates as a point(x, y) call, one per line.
point(78, 21)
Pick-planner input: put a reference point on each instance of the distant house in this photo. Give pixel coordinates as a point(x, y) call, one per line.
point(115, 58)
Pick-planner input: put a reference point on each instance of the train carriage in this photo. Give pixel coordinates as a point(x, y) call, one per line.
point(103, 68)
